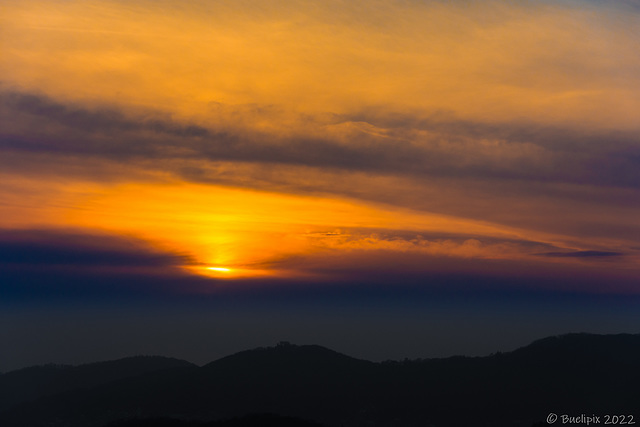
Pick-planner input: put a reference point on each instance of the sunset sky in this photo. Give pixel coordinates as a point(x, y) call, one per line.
point(389, 178)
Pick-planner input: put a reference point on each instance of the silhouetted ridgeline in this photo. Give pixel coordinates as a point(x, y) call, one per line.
point(572, 374)
point(38, 381)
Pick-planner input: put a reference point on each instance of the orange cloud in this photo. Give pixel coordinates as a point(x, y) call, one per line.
point(488, 61)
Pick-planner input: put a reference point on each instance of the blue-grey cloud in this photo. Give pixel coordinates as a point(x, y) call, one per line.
point(38, 248)
point(414, 146)
point(38, 265)
point(99, 120)
point(583, 254)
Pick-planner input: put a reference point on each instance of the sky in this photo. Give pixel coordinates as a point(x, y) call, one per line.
point(388, 178)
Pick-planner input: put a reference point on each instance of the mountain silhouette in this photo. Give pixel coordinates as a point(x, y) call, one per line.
point(38, 381)
point(570, 374)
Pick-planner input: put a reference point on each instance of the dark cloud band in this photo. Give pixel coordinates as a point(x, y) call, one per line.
point(412, 146)
point(38, 248)
point(583, 254)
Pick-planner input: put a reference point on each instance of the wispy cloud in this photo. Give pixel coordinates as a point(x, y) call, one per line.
point(384, 143)
point(582, 254)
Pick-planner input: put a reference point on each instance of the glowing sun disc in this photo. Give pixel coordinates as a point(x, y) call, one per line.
point(222, 269)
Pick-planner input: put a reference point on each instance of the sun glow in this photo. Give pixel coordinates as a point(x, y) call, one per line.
point(226, 232)
point(233, 233)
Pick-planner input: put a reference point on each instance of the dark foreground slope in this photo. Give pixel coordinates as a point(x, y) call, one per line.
point(572, 374)
point(252, 420)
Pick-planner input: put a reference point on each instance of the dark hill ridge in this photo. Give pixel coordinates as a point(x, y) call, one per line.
point(286, 361)
point(570, 374)
point(576, 346)
point(39, 381)
point(286, 353)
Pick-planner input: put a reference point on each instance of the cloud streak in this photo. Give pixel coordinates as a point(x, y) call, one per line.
point(583, 254)
point(48, 248)
point(400, 145)
point(56, 264)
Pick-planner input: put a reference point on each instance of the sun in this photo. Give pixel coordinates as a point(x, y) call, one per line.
point(215, 271)
point(235, 272)
point(220, 269)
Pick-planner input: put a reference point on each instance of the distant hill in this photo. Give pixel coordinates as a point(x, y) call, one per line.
point(570, 374)
point(31, 383)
